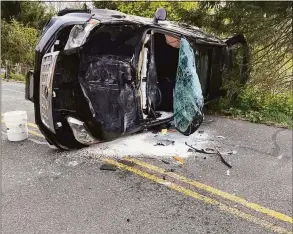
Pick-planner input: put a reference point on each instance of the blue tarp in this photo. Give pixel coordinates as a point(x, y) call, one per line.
point(188, 99)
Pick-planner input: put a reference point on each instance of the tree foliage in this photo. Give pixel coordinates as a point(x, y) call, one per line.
point(268, 29)
point(266, 25)
point(18, 42)
point(29, 13)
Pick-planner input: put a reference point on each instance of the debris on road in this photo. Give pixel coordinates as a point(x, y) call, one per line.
point(280, 156)
point(223, 160)
point(165, 161)
point(170, 170)
point(179, 159)
point(231, 152)
point(73, 163)
point(222, 137)
point(126, 162)
point(205, 151)
point(228, 172)
point(108, 167)
point(165, 143)
point(164, 131)
point(200, 132)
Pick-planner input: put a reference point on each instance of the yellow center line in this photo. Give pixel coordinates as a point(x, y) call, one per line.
point(195, 195)
point(35, 133)
point(228, 196)
point(32, 125)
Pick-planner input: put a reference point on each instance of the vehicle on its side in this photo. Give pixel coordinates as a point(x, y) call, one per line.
point(100, 74)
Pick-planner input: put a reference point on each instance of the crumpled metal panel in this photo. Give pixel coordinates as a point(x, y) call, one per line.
point(188, 99)
point(108, 86)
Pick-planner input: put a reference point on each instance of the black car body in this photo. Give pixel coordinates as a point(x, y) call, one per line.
point(98, 75)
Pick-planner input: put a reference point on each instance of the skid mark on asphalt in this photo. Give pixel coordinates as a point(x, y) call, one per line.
point(197, 196)
point(277, 148)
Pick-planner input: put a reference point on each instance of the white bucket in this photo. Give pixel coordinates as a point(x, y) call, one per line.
point(16, 124)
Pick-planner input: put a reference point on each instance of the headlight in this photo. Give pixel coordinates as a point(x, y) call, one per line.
point(80, 132)
point(79, 33)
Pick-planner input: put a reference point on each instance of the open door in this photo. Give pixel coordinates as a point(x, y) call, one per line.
point(188, 98)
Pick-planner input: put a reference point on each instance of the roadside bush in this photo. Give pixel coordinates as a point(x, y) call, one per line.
point(258, 106)
point(17, 77)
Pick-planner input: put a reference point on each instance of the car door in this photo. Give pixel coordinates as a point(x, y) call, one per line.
point(188, 99)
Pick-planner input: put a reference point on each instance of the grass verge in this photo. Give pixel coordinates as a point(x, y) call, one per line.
point(257, 107)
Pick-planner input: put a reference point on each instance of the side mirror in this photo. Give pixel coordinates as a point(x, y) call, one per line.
point(161, 14)
point(29, 86)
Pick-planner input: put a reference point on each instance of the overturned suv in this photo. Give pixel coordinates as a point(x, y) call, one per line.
point(100, 74)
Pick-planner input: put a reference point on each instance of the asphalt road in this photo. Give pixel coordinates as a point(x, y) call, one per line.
point(48, 191)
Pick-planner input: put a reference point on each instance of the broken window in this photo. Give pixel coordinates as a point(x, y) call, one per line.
point(188, 99)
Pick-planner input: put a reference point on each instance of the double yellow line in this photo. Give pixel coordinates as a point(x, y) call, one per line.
point(253, 206)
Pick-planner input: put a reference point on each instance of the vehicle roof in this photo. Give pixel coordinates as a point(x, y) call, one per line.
point(105, 16)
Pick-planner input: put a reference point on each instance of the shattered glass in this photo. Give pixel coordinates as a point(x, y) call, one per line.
point(188, 98)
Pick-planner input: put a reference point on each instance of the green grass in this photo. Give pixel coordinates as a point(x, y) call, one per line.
point(15, 77)
point(258, 107)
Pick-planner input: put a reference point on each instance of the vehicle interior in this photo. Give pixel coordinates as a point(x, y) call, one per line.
point(162, 70)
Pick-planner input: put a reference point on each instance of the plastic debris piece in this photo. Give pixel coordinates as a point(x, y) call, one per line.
point(228, 172)
point(165, 143)
point(222, 137)
point(108, 167)
point(73, 163)
point(209, 151)
point(205, 151)
point(179, 159)
point(164, 131)
point(201, 131)
point(165, 161)
point(223, 160)
point(231, 152)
